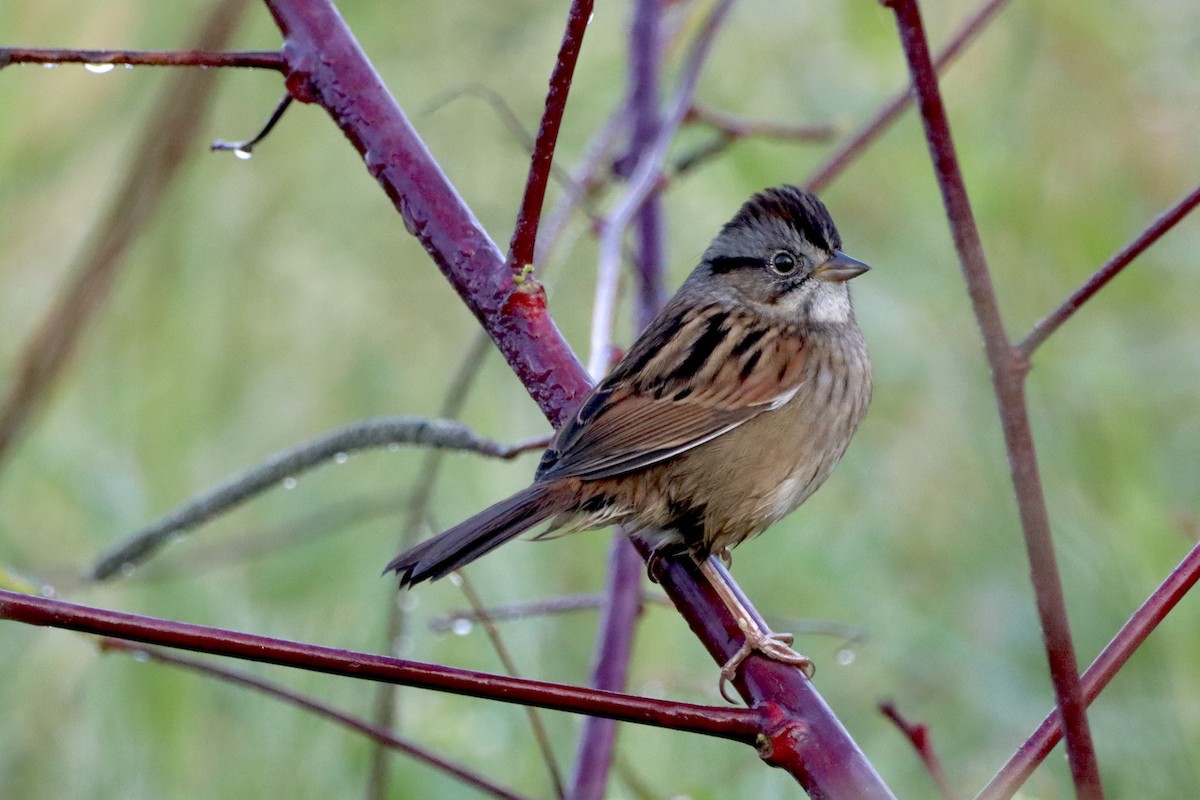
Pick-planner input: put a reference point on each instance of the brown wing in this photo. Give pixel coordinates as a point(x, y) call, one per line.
point(680, 385)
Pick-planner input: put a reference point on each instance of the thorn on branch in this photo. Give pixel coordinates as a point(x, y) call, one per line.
point(243, 149)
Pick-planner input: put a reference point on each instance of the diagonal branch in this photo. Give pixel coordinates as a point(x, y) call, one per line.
point(865, 136)
point(1114, 655)
point(157, 157)
point(1008, 368)
point(286, 466)
point(1044, 329)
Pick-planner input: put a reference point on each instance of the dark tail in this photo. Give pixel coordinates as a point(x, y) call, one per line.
point(481, 534)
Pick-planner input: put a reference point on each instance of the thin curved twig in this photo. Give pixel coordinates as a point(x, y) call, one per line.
point(283, 467)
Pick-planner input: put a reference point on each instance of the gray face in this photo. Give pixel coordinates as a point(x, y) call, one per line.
point(767, 258)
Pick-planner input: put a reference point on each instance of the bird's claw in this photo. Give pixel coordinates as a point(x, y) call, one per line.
point(775, 646)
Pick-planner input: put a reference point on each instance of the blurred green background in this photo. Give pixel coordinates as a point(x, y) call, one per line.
point(273, 299)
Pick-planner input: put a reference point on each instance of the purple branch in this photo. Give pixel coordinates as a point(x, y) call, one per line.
point(379, 734)
point(1131, 636)
point(867, 134)
point(1043, 330)
point(524, 237)
point(727, 723)
point(1008, 368)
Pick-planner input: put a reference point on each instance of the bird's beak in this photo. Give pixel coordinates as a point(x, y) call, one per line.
point(840, 268)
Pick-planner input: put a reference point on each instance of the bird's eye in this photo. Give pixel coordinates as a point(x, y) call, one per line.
point(783, 263)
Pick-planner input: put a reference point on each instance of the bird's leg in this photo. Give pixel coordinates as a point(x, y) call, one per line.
point(775, 646)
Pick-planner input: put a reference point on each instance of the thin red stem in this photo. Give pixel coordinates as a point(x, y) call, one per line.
point(524, 237)
point(1044, 329)
point(727, 723)
point(1008, 369)
point(1131, 636)
point(253, 59)
point(865, 136)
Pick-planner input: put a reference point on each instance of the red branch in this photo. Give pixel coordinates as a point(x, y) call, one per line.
point(738, 724)
point(872, 130)
point(1106, 273)
point(257, 59)
point(520, 250)
point(1131, 636)
point(1008, 368)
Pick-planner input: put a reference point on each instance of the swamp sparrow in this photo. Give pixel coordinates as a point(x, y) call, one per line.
point(730, 409)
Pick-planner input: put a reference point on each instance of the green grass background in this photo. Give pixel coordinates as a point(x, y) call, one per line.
point(274, 299)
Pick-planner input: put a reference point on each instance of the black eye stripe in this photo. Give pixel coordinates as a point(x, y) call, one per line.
point(724, 264)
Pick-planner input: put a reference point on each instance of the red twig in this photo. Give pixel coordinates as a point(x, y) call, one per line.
point(918, 735)
point(1131, 636)
point(868, 133)
point(379, 734)
point(253, 59)
point(1106, 273)
point(738, 724)
point(1008, 369)
point(520, 251)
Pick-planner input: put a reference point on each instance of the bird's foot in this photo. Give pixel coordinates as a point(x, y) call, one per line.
point(775, 646)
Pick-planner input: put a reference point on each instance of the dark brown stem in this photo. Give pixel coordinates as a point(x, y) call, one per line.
point(918, 736)
point(1131, 636)
point(865, 136)
point(326, 66)
point(742, 725)
point(524, 238)
point(1008, 369)
point(1044, 329)
point(256, 59)
point(380, 735)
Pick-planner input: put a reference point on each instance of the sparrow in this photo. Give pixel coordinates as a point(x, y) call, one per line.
point(729, 410)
